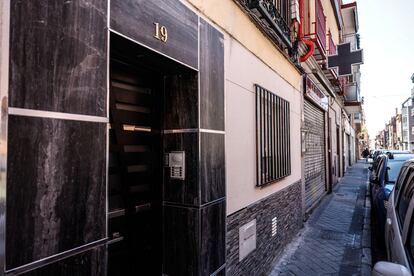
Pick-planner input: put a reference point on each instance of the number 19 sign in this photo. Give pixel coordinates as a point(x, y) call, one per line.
point(160, 32)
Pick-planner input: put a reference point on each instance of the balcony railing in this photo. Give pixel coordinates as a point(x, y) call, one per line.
point(332, 46)
point(352, 95)
point(275, 13)
point(315, 27)
point(320, 24)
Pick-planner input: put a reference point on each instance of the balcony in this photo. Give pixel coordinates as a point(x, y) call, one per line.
point(351, 94)
point(358, 122)
point(332, 74)
point(357, 118)
point(272, 16)
point(315, 28)
point(352, 98)
point(332, 46)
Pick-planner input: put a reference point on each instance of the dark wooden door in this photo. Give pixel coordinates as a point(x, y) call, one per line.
point(135, 175)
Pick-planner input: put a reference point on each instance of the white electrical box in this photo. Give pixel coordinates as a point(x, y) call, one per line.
point(247, 239)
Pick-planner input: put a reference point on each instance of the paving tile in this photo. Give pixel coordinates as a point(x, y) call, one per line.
point(333, 241)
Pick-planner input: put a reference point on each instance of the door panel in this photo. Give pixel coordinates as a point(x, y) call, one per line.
point(135, 176)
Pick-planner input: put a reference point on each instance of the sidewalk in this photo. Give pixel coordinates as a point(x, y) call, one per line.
point(336, 239)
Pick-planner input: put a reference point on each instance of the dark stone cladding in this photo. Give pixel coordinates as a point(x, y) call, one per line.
point(286, 205)
point(91, 262)
point(58, 55)
point(56, 192)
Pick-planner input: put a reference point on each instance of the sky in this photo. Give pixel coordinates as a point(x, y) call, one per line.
point(387, 38)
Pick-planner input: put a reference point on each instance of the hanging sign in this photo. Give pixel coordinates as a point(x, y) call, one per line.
point(315, 94)
point(344, 59)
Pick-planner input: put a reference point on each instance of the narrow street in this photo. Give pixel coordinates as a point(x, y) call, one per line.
point(336, 238)
point(206, 137)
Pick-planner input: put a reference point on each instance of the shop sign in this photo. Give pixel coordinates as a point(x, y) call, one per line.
point(315, 94)
point(344, 59)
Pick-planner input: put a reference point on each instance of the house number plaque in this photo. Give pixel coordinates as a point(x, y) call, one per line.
point(160, 32)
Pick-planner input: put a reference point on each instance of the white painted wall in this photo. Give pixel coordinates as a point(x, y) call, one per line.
point(242, 71)
point(335, 115)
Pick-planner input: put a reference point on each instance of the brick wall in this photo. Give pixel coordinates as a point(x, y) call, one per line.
point(286, 205)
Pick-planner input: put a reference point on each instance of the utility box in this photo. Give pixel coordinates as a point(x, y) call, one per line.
point(247, 239)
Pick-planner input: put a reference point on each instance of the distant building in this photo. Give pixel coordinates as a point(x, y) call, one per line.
point(398, 126)
point(407, 112)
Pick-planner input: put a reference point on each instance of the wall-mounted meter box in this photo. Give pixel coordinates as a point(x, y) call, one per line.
point(176, 162)
point(247, 239)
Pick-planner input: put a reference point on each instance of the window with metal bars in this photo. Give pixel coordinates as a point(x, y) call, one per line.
point(272, 137)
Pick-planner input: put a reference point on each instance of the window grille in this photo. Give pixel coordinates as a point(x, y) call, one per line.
point(272, 137)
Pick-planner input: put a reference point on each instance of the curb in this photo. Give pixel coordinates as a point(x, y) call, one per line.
point(366, 260)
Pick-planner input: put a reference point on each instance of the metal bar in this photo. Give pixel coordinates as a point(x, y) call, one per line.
point(263, 157)
point(266, 135)
point(261, 136)
point(56, 115)
point(57, 257)
point(269, 138)
point(257, 134)
point(278, 137)
point(285, 161)
point(282, 144)
point(282, 137)
point(258, 142)
point(288, 134)
point(273, 138)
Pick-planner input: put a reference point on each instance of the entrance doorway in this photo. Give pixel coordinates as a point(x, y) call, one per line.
point(138, 84)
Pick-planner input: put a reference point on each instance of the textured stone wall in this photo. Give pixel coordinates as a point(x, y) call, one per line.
point(286, 206)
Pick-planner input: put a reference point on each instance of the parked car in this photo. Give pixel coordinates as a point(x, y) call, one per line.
point(375, 158)
point(399, 230)
point(383, 181)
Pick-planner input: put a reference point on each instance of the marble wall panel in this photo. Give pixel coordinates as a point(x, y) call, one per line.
point(90, 263)
point(56, 190)
point(58, 56)
point(211, 77)
point(181, 240)
point(213, 237)
point(212, 171)
point(136, 19)
point(181, 101)
point(186, 192)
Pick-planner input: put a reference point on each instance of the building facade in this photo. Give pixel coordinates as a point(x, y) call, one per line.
point(399, 134)
point(162, 137)
point(407, 112)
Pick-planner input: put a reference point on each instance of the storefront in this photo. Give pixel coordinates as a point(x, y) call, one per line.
point(315, 108)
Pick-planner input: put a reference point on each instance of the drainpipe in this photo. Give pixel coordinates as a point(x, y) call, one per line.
point(309, 43)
